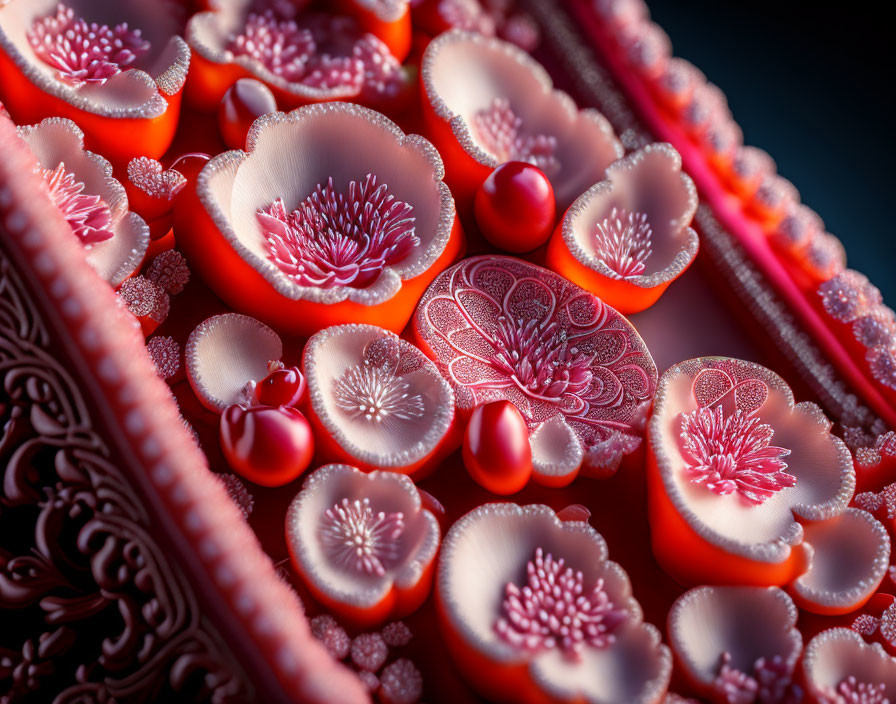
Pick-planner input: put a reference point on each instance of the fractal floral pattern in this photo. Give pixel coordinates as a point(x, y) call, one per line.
point(504, 329)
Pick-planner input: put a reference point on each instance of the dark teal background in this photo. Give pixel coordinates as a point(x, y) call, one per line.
point(809, 82)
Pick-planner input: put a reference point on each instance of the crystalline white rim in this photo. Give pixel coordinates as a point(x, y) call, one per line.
point(168, 82)
point(774, 551)
point(682, 259)
point(390, 280)
point(504, 654)
point(441, 420)
point(209, 330)
point(404, 576)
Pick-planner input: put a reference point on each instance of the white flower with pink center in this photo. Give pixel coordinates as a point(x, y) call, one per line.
point(94, 204)
point(307, 56)
point(747, 474)
point(83, 52)
point(534, 610)
point(330, 204)
point(364, 545)
point(737, 645)
point(490, 102)
point(340, 238)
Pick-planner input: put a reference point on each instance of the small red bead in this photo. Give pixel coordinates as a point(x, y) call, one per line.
point(515, 207)
point(266, 445)
point(190, 165)
point(496, 448)
point(243, 103)
point(282, 387)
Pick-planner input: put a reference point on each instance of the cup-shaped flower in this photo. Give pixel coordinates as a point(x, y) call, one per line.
point(487, 102)
point(376, 400)
point(302, 57)
point(363, 543)
point(334, 215)
point(850, 556)
point(840, 668)
point(628, 237)
point(533, 611)
point(116, 68)
point(500, 328)
point(736, 645)
point(227, 355)
point(735, 468)
point(94, 203)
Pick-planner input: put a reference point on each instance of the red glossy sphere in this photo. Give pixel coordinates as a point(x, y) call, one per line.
point(266, 445)
point(243, 103)
point(190, 165)
point(282, 387)
point(496, 448)
point(515, 207)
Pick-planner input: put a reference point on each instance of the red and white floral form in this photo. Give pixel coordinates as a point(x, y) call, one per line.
point(533, 611)
point(737, 645)
point(376, 400)
point(733, 464)
point(500, 328)
point(116, 68)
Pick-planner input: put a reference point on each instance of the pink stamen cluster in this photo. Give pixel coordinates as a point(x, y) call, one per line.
point(622, 242)
point(399, 682)
point(554, 610)
point(851, 691)
point(322, 52)
point(336, 239)
point(360, 539)
point(88, 215)
point(499, 129)
point(376, 393)
point(768, 683)
point(733, 454)
point(84, 53)
point(538, 357)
